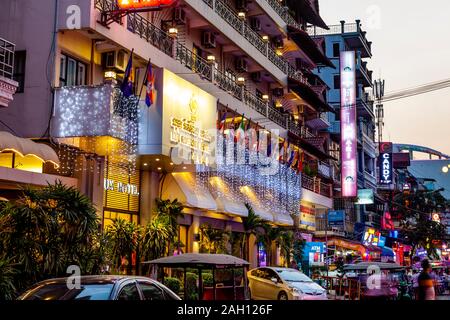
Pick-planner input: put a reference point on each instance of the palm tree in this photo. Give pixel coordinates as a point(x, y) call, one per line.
point(124, 237)
point(252, 226)
point(270, 235)
point(286, 242)
point(170, 212)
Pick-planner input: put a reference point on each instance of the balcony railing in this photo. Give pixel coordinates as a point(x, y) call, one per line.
point(315, 185)
point(146, 30)
point(193, 62)
point(283, 12)
point(324, 169)
point(95, 111)
point(6, 59)
point(161, 40)
point(228, 14)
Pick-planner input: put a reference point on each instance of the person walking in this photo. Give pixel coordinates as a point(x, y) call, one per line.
point(426, 282)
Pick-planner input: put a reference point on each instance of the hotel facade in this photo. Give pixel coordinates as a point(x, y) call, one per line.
point(237, 117)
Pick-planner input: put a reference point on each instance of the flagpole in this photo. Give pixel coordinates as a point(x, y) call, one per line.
point(145, 80)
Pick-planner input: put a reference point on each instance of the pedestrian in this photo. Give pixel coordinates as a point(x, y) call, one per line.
point(426, 282)
point(415, 284)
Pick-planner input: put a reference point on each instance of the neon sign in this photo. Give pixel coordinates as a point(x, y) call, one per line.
point(348, 124)
point(385, 163)
point(143, 5)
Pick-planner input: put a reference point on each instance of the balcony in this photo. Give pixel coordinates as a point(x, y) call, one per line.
point(315, 185)
point(352, 34)
point(319, 123)
point(324, 170)
point(365, 103)
point(363, 74)
point(7, 85)
point(283, 12)
point(370, 180)
point(95, 111)
point(162, 41)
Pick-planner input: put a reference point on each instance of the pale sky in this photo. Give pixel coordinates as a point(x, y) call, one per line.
point(411, 47)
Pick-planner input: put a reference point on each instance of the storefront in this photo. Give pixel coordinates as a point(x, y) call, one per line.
point(121, 193)
point(24, 162)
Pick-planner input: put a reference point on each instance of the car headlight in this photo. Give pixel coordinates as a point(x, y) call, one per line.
point(296, 292)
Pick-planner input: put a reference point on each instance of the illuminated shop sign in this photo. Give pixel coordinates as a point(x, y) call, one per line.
point(111, 185)
point(385, 163)
point(373, 237)
point(365, 196)
point(336, 218)
point(144, 5)
point(348, 124)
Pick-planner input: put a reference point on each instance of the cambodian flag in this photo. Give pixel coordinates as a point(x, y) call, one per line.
point(149, 85)
point(127, 84)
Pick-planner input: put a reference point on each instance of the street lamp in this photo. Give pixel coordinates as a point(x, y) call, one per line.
point(445, 169)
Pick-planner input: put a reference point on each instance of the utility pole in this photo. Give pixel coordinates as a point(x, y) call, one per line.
point(379, 94)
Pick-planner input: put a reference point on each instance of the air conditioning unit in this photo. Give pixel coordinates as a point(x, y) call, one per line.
point(115, 60)
point(241, 65)
point(209, 40)
point(179, 16)
point(278, 92)
point(256, 76)
point(241, 5)
point(255, 24)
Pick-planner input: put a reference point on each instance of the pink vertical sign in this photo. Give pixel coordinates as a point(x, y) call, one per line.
point(349, 178)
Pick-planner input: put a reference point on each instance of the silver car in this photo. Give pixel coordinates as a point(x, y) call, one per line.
point(270, 283)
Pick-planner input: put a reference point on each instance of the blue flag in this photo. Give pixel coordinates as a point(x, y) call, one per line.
point(149, 86)
point(127, 84)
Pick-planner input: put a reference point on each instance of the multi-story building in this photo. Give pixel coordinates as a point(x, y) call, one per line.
point(215, 63)
point(351, 37)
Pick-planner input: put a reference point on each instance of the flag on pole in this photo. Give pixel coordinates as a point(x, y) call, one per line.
point(300, 161)
point(291, 158)
point(221, 126)
point(269, 145)
point(240, 134)
point(294, 162)
point(149, 85)
point(127, 85)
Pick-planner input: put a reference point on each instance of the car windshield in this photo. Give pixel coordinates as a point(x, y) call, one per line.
point(59, 291)
point(293, 276)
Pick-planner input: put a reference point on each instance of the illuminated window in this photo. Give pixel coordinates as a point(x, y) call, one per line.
point(72, 72)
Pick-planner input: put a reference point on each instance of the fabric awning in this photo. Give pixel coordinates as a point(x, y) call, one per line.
point(27, 147)
point(184, 187)
point(264, 214)
point(309, 46)
point(283, 219)
point(225, 196)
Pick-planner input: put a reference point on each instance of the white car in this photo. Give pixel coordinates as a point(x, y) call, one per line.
point(271, 283)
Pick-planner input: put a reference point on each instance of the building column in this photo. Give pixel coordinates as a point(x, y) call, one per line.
point(252, 252)
point(148, 194)
point(194, 246)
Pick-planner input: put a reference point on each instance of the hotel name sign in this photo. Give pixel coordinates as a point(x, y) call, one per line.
point(189, 134)
point(111, 185)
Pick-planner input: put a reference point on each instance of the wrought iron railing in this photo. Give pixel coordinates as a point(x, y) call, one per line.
point(283, 12)
point(6, 59)
point(193, 62)
point(148, 31)
point(228, 14)
point(324, 169)
point(167, 44)
point(227, 84)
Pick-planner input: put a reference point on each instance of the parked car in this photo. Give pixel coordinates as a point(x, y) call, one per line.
point(270, 283)
point(100, 288)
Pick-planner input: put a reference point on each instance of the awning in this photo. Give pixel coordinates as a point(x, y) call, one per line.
point(184, 187)
point(309, 46)
point(224, 196)
point(199, 259)
point(283, 219)
point(264, 214)
point(305, 9)
point(26, 147)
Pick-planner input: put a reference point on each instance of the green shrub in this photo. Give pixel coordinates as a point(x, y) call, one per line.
point(173, 284)
point(207, 279)
point(191, 286)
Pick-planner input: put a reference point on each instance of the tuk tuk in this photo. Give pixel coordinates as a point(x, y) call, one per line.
point(378, 280)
